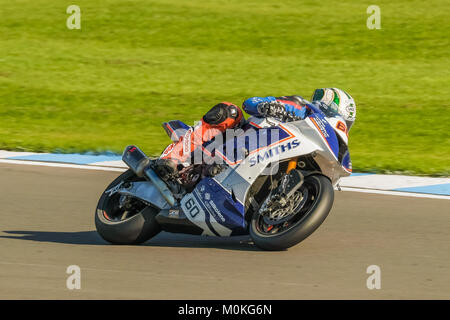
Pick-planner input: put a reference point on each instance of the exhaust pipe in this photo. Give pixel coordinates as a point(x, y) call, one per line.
point(137, 161)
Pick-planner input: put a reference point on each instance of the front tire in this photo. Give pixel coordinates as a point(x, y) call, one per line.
point(112, 227)
point(303, 223)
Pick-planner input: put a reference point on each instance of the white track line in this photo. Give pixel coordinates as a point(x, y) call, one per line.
point(101, 168)
point(397, 193)
point(390, 182)
point(61, 165)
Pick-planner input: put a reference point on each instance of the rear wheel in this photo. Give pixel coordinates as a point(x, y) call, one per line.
point(124, 220)
point(290, 223)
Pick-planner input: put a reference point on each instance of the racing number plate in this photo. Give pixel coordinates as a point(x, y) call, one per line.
point(192, 208)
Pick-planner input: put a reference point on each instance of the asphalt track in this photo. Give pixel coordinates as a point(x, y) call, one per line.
point(47, 224)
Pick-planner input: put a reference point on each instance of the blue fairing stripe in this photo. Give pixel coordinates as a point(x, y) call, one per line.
point(237, 204)
point(174, 126)
point(314, 108)
point(346, 163)
point(327, 132)
point(232, 211)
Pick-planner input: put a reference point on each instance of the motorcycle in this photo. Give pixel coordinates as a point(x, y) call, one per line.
point(278, 191)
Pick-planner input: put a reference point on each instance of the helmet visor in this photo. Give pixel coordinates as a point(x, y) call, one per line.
point(330, 110)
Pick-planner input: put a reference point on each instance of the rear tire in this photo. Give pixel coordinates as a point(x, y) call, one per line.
point(307, 223)
point(136, 229)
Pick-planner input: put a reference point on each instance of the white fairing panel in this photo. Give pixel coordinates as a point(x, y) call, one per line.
point(303, 139)
point(296, 139)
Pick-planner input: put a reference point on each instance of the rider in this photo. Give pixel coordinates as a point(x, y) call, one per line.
point(225, 115)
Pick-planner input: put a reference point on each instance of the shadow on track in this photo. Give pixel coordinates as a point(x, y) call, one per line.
point(164, 239)
point(178, 240)
point(82, 238)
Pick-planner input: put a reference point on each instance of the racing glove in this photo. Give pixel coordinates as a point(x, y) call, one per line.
point(280, 110)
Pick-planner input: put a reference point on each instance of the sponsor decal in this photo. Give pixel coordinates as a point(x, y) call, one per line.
point(174, 213)
point(210, 205)
point(321, 126)
point(187, 142)
point(167, 150)
point(114, 189)
point(341, 126)
point(274, 152)
point(351, 110)
point(212, 208)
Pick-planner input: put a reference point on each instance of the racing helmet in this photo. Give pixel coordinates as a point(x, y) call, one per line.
point(335, 102)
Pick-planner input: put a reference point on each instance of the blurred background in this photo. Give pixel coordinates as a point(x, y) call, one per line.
point(136, 63)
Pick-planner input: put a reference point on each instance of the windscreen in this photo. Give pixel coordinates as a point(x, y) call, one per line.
point(330, 110)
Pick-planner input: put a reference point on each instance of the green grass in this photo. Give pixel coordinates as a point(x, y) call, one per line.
point(135, 64)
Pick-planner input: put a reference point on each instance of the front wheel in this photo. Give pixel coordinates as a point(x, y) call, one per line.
point(299, 217)
point(124, 220)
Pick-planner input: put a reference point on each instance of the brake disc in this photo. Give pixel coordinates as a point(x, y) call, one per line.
point(275, 214)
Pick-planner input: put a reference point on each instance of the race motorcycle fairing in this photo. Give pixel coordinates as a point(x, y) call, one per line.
point(224, 195)
point(254, 191)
